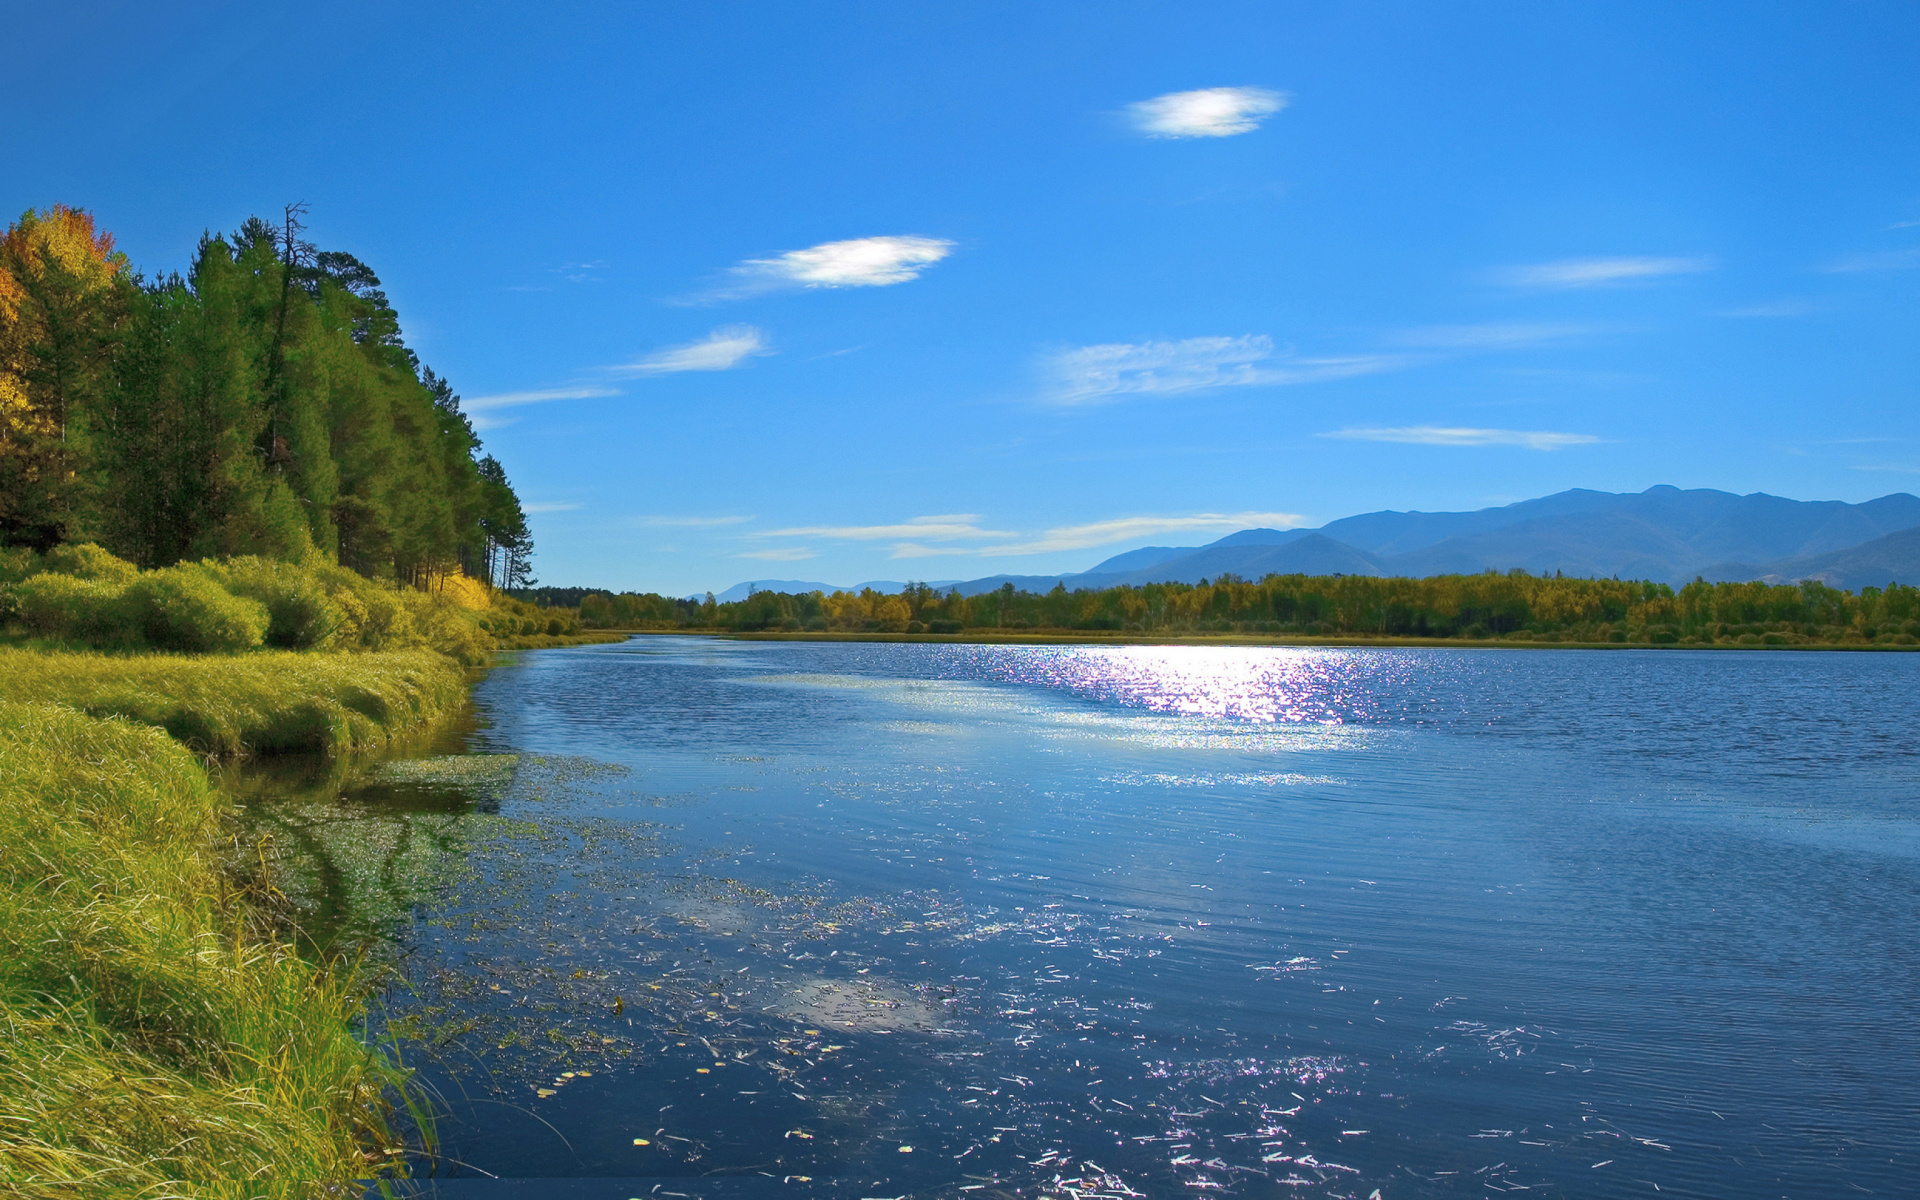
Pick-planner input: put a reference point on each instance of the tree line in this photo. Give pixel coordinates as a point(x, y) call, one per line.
point(263, 403)
point(1514, 606)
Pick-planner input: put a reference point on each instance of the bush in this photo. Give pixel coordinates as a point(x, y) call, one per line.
point(300, 614)
point(185, 608)
point(84, 610)
point(88, 561)
point(16, 563)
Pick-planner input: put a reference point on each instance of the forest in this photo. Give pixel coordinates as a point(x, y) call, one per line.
point(1510, 607)
point(262, 404)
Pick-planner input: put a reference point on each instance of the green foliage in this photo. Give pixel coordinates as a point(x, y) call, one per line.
point(184, 608)
point(75, 610)
point(253, 703)
point(265, 404)
point(84, 560)
point(237, 605)
point(300, 613)
point(157, 1044)
point(1511, 607)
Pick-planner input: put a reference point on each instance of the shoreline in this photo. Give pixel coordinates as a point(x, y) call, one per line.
point(1082, 637)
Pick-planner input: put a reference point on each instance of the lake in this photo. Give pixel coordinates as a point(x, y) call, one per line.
point(691, 917)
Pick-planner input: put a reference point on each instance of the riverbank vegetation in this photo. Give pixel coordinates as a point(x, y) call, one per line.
point(237, 516)
point(1512, 607)
point(159, 1039)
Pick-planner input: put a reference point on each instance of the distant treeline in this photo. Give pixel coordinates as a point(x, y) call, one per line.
point(1515, 607)
point(262, 404)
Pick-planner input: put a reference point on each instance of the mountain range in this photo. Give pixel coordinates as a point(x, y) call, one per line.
point(1664, 533)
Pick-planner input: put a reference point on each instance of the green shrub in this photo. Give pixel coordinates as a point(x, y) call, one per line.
point(185, 608)
point(300, 613)
point(81, 610)
point(16, 563)
point(84, 560)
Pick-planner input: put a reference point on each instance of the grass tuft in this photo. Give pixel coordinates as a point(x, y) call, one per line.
point(256, 703)
point(152, 1042)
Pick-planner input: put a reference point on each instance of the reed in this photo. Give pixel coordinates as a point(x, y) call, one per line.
point(253, 703)
point(153, 1042)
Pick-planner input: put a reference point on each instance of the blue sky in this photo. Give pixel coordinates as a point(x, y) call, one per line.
point(856, 291)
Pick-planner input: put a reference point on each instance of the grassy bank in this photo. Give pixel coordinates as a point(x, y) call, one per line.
point(158, 1041)
point(160, 1034)
point(254, 703)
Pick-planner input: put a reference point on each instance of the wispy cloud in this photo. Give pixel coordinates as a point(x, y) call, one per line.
point(548, 508)
point(948, 527)
point(857, 262)
point(783, 554)
point(514, 399)
point(1436, 435)
point(1884, 260)
point(1120, 529)
point(722, 350)
point(1598, 272)
point(667, 522)
point(1208, 112)
point(1900, 468)
point(1092, 374)
point(923, 537)
point(1490, 335)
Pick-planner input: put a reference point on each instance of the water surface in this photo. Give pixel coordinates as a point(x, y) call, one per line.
point(871, 920)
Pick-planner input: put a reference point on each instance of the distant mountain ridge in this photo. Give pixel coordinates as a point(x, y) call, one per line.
point(1664, 533)
point(740, 591)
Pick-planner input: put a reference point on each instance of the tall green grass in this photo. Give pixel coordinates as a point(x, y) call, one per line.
point(253, 703)
point(155, 1039)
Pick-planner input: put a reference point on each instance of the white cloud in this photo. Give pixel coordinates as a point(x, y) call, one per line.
point(722, 350)
point(1885, 260)
point(1493, 335)
point(915, 550)
point(857, 262)
point(548, 508)
point(949, 527)
point(1101, 533)
point(1434, 435)
point(1597, 272)
point(1208, 112)
point(511, 399)
point(657, 522)
point(1089, 374)
point(961, 527)
point(784, 554)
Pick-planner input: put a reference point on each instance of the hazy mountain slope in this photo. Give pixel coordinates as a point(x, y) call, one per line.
point(1586, 544)
point(1134, 560)
point(1664, 533)
point(1311, 554)
point(1894, 558)
point(1255, 537)
point(1390, 532)
point(740, 591)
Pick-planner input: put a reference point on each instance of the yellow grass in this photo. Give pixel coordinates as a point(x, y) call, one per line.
point(251, 703)
point(152, 1044)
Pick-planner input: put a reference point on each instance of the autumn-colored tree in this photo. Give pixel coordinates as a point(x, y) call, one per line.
point(59, 304)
